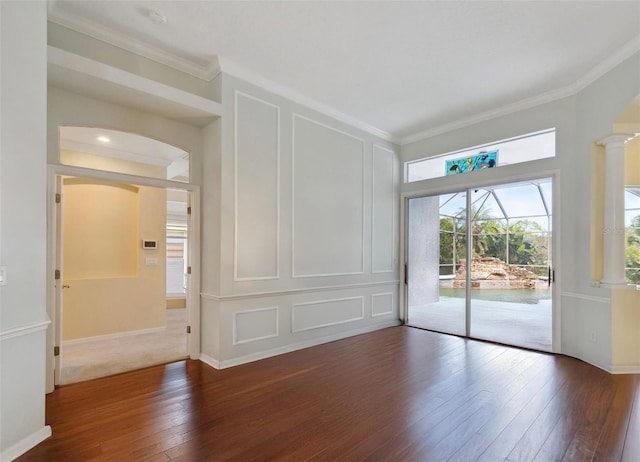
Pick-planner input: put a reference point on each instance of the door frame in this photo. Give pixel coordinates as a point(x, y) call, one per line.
point(54, 244)
point(480, 180)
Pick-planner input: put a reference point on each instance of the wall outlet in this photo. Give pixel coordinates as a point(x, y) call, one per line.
point(593, 337)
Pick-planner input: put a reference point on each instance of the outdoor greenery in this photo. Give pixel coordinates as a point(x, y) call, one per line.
point(632, 255)
point(521, 242)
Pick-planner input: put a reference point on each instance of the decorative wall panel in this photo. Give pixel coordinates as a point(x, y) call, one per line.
point(252, 325)
point(381, 304)
point(313, 315)
point(383, 211)
point(257, 214)
point(328, 200)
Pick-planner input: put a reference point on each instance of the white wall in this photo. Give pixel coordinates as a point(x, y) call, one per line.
point(68, 108)
point(581, 310)
point(308, 229)
point(23, 318)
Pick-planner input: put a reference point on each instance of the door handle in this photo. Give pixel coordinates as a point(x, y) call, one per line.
point(66, 286)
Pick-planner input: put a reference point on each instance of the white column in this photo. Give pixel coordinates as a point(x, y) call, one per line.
point(614, 243)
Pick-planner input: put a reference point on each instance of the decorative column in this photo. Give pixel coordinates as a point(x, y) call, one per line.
point(614, 243)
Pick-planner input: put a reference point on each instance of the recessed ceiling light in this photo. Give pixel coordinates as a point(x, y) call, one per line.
point(157, 18)
point(104, 139)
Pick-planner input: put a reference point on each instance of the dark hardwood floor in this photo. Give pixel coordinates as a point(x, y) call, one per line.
point(396, 394)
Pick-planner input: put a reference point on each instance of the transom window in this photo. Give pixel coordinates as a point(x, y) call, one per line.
point(533, 146)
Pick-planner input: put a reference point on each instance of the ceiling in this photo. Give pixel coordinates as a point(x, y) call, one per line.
point(407, 69)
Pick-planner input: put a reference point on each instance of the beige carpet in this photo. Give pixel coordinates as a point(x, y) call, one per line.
point(99, 358)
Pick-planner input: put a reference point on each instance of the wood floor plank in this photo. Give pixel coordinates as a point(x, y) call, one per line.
point(396, 394)
point(631, 452)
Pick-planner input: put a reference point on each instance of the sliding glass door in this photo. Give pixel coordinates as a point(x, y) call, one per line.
point(498, 287)
point(437, 248)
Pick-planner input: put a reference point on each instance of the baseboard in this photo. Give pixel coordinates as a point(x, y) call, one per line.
point(97, 338)
point(209, 361)
point(625, 370)
point(25, 444)
point(301, 345)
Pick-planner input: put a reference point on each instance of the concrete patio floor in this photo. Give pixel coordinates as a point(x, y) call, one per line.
point(520, 324)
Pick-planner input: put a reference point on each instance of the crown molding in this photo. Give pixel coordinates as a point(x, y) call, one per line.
point(200, 69)
point(521, 105)
point(613, 60)
point(624, 53)
point(231, 68)
point(208, 71)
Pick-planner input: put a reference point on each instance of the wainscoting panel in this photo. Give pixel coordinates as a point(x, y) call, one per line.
point(328, 200)
point(267, 324)
point(252, 325)
point(383, 211)
point(586, 329)
point(381, 304)
point(22, 379)
point(257, 194)
point(313, 315)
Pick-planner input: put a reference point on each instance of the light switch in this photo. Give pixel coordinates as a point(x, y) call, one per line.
point(3, 275)
point(151, 261)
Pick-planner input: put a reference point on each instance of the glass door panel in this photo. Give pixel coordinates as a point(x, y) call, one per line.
point(511, 241)
point(436, 253)
point(497, 288)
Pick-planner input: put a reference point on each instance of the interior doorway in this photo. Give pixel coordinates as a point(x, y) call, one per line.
point(123, 303)
point(123, 251)
point(479, 263)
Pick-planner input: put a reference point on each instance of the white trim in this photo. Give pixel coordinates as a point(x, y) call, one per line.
point(625, 369)
point(68, 170)
point(554, 174)
point(235, 70)
point(24, 330)
point(554, 95)
point(208, 71)
point(293, 197)
point(556, 260)
point(475, 148)
point(278, 293)
point(321, 302)
point(373, 315)
point(590, 298)
point(480, 181)
point(235, 341)
point(521, 105)
point(611, 61)
point(393, 207)
point(197, 68)
point(301, 345)
point(22, 446)
point(235, 188)
point(79, 146)
point(611, 369)
point(607, 368)
point(182, 102)
point(209, 360)
point(193, 280)
point(115, 335)
point(619, 286)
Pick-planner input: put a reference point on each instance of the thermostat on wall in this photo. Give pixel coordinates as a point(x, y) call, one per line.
point(148, 244)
